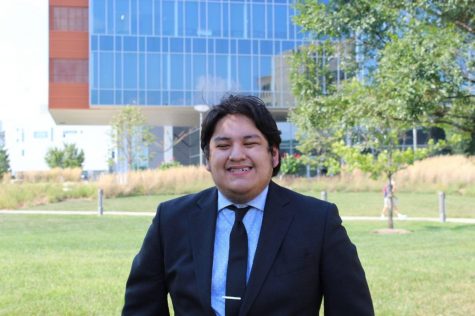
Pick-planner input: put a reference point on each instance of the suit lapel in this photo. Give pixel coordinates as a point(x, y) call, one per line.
point(275, 224)
point(202, 225)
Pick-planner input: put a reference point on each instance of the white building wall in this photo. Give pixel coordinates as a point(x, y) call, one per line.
point(28, 142)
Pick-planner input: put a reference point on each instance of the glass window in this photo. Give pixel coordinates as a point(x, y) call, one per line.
point(244, 47)
point(153, 98)
point(266, 47)
point(142, 71)
point(199, 45)
point(118, 97)
point(191, 18)
point(130, 43)
point(265, 68)
point(40, 134)
point(145, 17)
point(222, 46)
point(94, 80)
point(280, 21)
point(210, 47)
point(237, 20)
point(165, 44)
point(106, 43)
point(134, 16)
point(118, 43)
point(226, 20)
point(122, 16)
point(69, 70)
point(222, 70)
point(233, 74)
point(153, 71)
point(153, 44)
point(214, 18)
point(168, 18)
point(130, 70)
point(187, 74)
point(164, 73)
point(94, 45)
point(244, 73)
point(176, 75)
point(176, 45)
point(106, 97)
point(177, 98)
point(258, 21)
point(180, 18)
point(106, 70)
point(94, 97)
point(130, 97)
point(199, 72)
point(76, 19)
point(270, 21)
point(142, 44)
point(157, 17)
point(118, 70)
point(110, 19)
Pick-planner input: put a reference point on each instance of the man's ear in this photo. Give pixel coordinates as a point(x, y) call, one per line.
point(207, 165)
point(275, 157)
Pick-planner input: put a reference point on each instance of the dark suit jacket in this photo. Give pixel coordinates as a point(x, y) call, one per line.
point(303, 254)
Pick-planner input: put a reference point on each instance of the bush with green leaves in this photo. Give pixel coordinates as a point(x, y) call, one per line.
point(68, 157)
point(169, 165)
point(291, 164)
point(4, 162)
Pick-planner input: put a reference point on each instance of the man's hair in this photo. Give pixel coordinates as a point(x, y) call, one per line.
point(249, 106)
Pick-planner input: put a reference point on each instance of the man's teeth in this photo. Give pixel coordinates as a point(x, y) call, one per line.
point(240, 169)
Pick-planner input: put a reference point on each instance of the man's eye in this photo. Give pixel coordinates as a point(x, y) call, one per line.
point(250, 144)
point(222, 146)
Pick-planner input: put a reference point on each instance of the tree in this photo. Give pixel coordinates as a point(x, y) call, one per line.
point(131, 136)
point(4, 162)
point(376, 69)
point(419, 54)
point(68, 157)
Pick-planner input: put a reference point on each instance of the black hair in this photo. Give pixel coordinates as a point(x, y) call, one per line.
point(249, 106)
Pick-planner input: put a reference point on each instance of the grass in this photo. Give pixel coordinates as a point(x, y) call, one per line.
point(78, 265)
point(349, 203)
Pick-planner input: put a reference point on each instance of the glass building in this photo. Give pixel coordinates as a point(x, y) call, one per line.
point(177, 52)
point(166, 56)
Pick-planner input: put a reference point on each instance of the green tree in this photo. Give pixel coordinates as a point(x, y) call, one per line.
point(4, 162)
point(417, 54)
point(131, 136)
point(68, 157)
point(378, 68)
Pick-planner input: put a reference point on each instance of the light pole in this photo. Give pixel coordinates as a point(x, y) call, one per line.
point(201, 108)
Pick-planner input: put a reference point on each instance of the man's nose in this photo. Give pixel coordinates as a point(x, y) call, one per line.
point(237, 153)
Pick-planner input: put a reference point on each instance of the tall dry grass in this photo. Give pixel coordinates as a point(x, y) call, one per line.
point(55, 175)
point(452, 174)
point(179, 180)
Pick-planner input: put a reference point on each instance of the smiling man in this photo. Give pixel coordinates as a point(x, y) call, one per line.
point(246, 246)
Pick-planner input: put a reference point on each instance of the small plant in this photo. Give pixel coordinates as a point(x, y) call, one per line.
point(291, 164)
point(168, 165)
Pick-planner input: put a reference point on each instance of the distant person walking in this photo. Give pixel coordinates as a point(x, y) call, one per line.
point(387, 201)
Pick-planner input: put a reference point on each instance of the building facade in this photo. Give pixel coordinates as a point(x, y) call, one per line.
point(165, 56)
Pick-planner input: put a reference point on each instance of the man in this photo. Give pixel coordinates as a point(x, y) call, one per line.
point(296, 250)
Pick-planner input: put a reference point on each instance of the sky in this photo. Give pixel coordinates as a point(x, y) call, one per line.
point(23, 59)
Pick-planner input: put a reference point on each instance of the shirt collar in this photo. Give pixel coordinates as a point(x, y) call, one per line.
point(258, 202)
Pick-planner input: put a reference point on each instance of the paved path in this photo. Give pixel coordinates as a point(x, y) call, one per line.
point(122, 213)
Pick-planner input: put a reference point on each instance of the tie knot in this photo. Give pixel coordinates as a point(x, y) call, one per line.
point(239, 212)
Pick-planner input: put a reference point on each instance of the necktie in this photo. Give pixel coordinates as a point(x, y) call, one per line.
point(237, 263)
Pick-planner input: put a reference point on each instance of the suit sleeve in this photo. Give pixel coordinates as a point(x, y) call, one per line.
point(146, 291)
point(345, 289)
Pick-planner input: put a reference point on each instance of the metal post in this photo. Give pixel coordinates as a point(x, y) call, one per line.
point(100, 198)
point(442, 214)
point(324, 195)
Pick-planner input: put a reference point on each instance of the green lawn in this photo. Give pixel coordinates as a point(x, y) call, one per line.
point(349, 203)
point(78, 265)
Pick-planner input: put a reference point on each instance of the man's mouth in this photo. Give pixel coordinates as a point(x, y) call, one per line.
point(236, 170)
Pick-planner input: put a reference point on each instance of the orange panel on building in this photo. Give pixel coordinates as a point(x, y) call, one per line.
point(68, 43)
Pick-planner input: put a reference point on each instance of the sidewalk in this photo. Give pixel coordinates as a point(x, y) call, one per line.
point(122, 213)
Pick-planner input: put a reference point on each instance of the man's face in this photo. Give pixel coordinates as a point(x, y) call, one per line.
point(239, 158)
